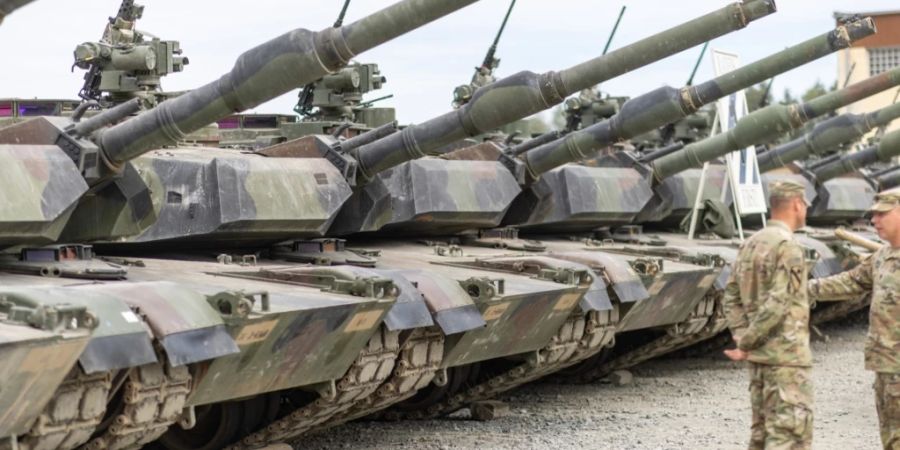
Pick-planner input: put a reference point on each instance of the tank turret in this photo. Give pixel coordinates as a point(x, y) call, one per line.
point(579, 197)
point(521, 95)
point(526, 93)
point(666, 104)
point(884, 151)
point(768, 123)
point(125, 63)
point(8, 6)
point(828, 136)
point(89, 153)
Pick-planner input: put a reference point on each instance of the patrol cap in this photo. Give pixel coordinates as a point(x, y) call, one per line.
point(886, 201)
point(787, 189)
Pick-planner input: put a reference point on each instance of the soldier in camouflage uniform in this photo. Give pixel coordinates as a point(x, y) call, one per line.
point(879, 275)
point(768, 313)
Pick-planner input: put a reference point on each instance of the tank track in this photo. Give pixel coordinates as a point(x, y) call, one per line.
point(580, 337)
point(370, 370)
point(419, 362)
point(706, 321)
point(71, 416)
point(153, 398)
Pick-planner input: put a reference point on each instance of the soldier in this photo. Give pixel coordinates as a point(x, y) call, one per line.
point(768, 313)
point(879, 275)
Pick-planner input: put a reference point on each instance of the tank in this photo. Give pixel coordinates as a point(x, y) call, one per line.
point(523, 317)
point(214, 324)
point(423, 210)
point(328, 176)
point(827, 137)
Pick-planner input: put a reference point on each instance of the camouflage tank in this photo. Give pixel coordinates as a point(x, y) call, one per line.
point(205, 349)
point(332, 105)
point(522, 311)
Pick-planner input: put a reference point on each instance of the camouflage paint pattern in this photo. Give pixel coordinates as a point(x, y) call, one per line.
point(119, 341)
point(673, 199)
point(430, 196)
point(289, 346)
point(41, 188)
point(666, 104)
point(35, 358)
point(526, 93)
point(521, 319)
point(673, 294)
point(580, 198)
point(767, 124)
point(842, 199)
point(187, 327)
point(224, 196)
point(888, 147)
point(828, 135)
point(452, 308)
point(265, 72)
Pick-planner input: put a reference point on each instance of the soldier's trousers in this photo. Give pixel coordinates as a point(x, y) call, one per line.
point(887, 402)
point(781, 398)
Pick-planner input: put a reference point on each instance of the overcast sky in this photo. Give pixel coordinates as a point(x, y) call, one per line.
point(422, 67)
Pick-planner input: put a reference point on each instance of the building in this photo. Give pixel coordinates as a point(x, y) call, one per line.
point(871, 56)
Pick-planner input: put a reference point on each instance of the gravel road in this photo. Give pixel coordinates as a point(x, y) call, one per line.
point(692, 403)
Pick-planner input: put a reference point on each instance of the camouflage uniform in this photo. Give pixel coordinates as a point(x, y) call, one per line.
point(768, 313)
point(880, 275)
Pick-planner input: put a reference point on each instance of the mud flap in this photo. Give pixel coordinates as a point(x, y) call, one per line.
point(453, 315)
point(188, 328)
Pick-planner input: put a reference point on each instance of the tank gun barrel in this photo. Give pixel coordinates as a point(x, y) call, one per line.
point(369, 136)
point(265, 72)
point(8, 6)
point(549, 136)
point(662, 152)
point(887, 148)
point(108, 117)
point(667, 104)
point(888, 180)
point(827, 136)
point(884, 171)
point(766, 124)
point(527, 93)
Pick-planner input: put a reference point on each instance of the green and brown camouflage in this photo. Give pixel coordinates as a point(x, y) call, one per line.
point(667, 105)
point(260, 74)
point(828, 136)
point(769, 123)
point(844, 194)
point(526, 93)
point(8, 6)
point(555, 198)
point(381, 164)
point(484, 73)
point(838, 190)
point(41, 338)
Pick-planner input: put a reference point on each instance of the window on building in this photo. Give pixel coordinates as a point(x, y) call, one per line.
point(883, 59)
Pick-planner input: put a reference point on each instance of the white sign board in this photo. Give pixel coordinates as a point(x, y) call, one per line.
point(743, 171)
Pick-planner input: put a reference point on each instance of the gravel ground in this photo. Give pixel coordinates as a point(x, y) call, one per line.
point(688, 403)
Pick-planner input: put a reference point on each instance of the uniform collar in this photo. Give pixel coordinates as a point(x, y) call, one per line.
point(779, 224)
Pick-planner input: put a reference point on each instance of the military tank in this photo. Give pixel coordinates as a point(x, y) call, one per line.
point(512, 301)
point(165, 386)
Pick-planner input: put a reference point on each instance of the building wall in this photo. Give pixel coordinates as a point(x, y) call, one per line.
point(888, 35)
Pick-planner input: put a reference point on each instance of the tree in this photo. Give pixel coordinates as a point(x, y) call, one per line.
point(815, 91)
